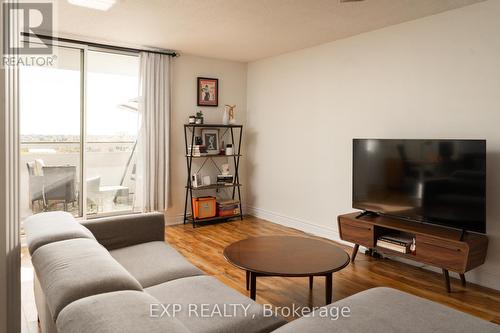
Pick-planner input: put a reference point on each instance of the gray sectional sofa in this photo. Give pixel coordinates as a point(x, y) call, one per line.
point(118, 275)
point(103, 276)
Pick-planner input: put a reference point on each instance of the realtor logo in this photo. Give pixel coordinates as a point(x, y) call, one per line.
point(33, 18)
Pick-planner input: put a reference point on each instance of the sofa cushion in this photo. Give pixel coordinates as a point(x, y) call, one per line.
point(154, 262)
point(76, 268)
point(45, 228)
point(125, 230)
point(387, 310)
point(205, 292)
point(116, 312)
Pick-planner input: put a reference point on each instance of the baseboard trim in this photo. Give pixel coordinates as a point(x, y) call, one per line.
point(295, 223)
point(174, 219)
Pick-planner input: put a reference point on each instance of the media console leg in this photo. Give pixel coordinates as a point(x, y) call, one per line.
point(354, 252)
point(462, 279)
point(311, 279)
point(446, 277)
point(248, 280)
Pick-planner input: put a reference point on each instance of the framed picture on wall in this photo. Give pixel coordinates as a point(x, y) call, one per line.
point(208, 91)
point(211, 140)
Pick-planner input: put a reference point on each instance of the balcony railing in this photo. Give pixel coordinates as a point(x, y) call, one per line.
point(106, 162)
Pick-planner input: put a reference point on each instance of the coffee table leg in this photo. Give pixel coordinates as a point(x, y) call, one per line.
point(248, 279)
point(311, 282)
point(328, 287)
point(253, 285)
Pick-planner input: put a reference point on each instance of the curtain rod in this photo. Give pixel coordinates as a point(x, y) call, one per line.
point(105, 46)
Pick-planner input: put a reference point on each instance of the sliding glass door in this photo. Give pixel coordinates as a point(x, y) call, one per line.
point(50, 128)
point(112, 125)
point(79, 126)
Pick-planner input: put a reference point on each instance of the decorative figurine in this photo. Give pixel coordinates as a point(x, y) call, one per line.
point(230, 112)
point(225, 116)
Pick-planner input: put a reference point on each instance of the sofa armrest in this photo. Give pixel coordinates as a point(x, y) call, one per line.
point(121, 231)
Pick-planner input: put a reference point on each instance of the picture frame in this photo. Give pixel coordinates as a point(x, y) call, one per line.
point(196, 180)
point(208, 91)
point(210, 139)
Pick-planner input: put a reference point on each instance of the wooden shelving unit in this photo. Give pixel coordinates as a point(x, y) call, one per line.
point(189, 135)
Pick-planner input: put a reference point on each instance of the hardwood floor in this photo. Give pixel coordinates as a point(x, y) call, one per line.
point(203, 246)
point(29, 323)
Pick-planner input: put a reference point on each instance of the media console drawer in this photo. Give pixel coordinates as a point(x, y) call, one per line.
point(357, 232)
point(449, 255)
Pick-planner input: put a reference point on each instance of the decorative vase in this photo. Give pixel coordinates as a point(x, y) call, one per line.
point(225, 116)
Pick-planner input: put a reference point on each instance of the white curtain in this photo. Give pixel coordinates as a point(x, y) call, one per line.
point(153, 141)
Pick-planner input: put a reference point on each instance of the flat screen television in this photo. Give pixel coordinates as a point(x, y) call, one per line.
point(433, 181)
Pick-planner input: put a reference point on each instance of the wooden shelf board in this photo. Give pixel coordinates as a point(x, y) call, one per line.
point(214, 187)
point(206, 156)
point(213, 125)
point(216, 218)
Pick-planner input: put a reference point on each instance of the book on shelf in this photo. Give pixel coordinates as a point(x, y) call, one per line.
point(228, 202)
point(197, 150)
point(395, 242)
point(228, 208)
point(393, 247)
point(398, 243)
point(229, 212)
point(194, 151)
point(397, 239)
point(225, 179)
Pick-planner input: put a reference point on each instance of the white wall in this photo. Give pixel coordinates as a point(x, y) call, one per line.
point(232, 90)
point(436, 77)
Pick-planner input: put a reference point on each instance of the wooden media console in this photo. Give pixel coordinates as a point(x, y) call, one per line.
point(446, 248)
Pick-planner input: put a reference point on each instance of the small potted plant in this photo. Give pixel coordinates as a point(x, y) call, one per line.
point(199, 117)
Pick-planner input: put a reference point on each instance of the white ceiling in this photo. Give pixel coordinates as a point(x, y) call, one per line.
point(242, 30)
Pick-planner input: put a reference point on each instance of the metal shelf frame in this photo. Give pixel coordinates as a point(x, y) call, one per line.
point(189, 135)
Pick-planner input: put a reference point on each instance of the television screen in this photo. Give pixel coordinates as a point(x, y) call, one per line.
point(433, 181)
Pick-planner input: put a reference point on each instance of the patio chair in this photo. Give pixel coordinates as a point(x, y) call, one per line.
point(53, 184)
point(60, 184)
point(94, 198)
point(35, 185)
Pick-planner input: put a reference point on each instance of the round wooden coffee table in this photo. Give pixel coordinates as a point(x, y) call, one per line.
point(287, 256)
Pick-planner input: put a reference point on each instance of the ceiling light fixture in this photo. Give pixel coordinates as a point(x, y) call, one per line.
point(94, 4)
